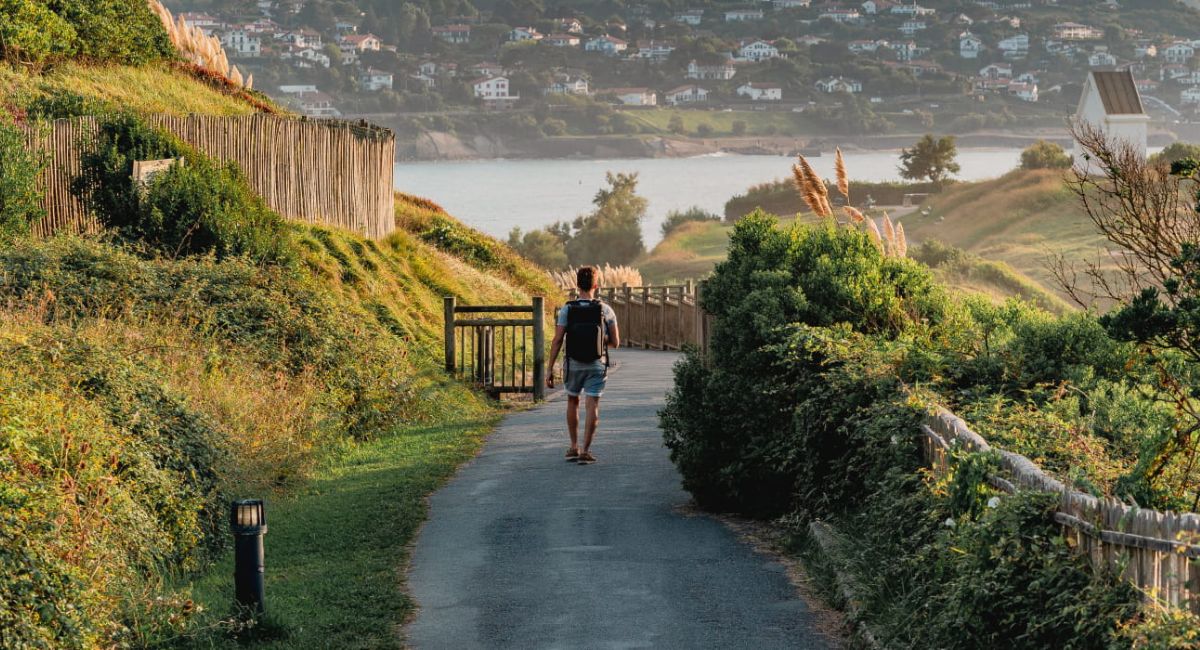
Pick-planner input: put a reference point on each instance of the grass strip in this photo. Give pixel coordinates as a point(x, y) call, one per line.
point(336, 551)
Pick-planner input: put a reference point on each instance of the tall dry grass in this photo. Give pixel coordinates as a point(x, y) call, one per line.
point(200, 48)
point(813, 190)
point(610, 276)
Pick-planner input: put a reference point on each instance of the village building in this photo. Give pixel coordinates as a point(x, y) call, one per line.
point(372, 80)
point(839, 85)
point(487, 69)
point(1179, 52)
point(568, 26)
point(653, 51)
point(742, 15)
point(201, 20)
point(309, 101)
point(521, 34)
point(1023, 91)
point(1190, 95)
point(454, 34)
point(758, 51)
point(1076, 32)
point(969, 45)
point(760, 92)
point(305, 57)
point(996, 71)
point(1101, 59)
point(719, 71)
point(242, 44)
point(565, 84)
point(633, 96)
point(690, 94)
point(562, 40)
point(606, 45)
point(791, 4)
point(1014, 47)
point(911, 27)
point(691, 17)
point(494, 92)
point(914, 9)
point(875, 7)
point(841, 15)
point(361, 43)
point(1111, 103)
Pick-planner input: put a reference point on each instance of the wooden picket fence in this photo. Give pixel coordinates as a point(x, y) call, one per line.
point(1157, 551)
point(329, 172)
point(668, 317)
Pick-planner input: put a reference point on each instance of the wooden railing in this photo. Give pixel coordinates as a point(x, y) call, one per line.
point(668, 317)
point(494, 349)
point(1157, 551)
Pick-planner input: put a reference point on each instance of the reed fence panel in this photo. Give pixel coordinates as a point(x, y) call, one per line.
point(327, 172)
point(1157, 551)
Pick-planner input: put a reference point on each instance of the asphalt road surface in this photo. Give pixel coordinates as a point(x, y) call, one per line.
point(525, 550)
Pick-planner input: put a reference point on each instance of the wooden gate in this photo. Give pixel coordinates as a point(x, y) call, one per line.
point(497, 350)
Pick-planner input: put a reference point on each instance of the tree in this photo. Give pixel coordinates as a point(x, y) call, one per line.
point(612, 234)
point(704, 130)
point(675, 124)
point(543, 247)
point(931, 158)
point(20, 196)
point(675, 218)
point(1175, 152)
point(1045, 155)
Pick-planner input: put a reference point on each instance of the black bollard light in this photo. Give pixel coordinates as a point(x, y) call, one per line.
point(248, 519)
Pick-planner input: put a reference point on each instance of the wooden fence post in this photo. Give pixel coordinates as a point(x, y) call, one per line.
point(539, 349)
point(645, 318)
point(448, 307)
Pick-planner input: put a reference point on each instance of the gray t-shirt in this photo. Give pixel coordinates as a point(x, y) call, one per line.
point(610, 321)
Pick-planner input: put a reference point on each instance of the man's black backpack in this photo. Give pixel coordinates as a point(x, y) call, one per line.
point(585, 331)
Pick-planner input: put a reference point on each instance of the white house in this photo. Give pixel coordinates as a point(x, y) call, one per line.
point(969, 45)
point(373, 80)
point(487, 69)
point(361, 43)
point(206, 22)
point(760, 92)
point(864, 46)
point(1014, 47)
point(1111, 103)
point(1190, 95)
point(633, 96)
point(309, 101)
point(741, 15)
point(305, 57)
point(758, 51)
point(423, 79)
point(562, 40)
point(454, 34)
point(840, 15)
point(494, 92)
point(910, 27)
point(1179, 52)
point(873, 7)
point(1101, 59)
point(996, 71)
point(720, 71)
point(568, 25)
point(242, 44)
point(914, 9)
point(654, 51)
point(520, 34)
point(839, 85)
point(690, 17)
point(303, 38)
point(1023, 90)
point(565, 84)
point(1076, 32)
point(685, 95)
point(1145, 50)
point(791, 4)
point(607, 45)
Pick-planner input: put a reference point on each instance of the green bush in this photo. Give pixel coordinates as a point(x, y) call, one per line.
point(1045, 155)
point(120, 31)
point(676, 218)
point(195, 207)
point(20, 195)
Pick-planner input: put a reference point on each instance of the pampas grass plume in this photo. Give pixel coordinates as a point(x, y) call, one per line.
point(843, 180)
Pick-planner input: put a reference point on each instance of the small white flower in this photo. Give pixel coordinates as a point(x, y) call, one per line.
point(895, 441)
point(994, 502)
point(950, 523)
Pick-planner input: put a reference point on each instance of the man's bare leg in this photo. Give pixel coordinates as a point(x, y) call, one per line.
point(573, 420)
point(593, 419)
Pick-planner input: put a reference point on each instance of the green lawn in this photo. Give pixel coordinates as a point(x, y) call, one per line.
point(757, 122)
point(336, 552)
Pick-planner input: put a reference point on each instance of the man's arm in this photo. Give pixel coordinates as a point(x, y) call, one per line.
point(559, 333)
point(614, 335)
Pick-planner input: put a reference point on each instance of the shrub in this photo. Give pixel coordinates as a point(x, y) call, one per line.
point(739, 127)
point(195, 207)
point(121, 31)
point(704, 130)
point(20, 195)
point(1045, 155)
point(675, 218)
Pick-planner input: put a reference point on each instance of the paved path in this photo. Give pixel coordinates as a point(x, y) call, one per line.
point(524, 550)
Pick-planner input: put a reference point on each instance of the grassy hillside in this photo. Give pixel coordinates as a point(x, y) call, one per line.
point(692, 250)
point(1019, 219)
point(72, 87)
point(143, 393)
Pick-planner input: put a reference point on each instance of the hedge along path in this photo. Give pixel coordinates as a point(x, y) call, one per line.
point(1160, 550)
point(329, 172)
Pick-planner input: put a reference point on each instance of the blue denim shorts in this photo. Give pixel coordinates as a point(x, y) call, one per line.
point(589, 381)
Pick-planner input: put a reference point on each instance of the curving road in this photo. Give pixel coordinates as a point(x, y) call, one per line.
point(524, 550)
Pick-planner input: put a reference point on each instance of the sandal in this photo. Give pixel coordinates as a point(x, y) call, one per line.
point(586, 458)
point(572, 455)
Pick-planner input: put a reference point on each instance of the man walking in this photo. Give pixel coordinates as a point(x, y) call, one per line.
point(589, 328)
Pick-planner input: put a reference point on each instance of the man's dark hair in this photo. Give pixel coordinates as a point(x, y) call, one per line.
point(586, 278)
